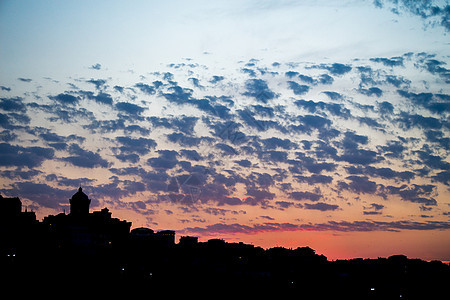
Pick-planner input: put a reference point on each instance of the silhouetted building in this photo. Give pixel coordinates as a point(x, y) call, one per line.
point(86, 231)
point(79, 203)
point(165, 238)
point(10, 207)
point(188, 241)
point(18, 229)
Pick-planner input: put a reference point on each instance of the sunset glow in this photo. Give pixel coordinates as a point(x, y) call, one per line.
point(276, 123)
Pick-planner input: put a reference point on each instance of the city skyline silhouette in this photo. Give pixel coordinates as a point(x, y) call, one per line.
point(85, 246)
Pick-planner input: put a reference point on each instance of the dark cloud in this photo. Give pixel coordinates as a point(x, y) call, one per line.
point(99, 83)
point(258, 196)
point(333, 95)
point(13, 104)
point(432, 161)
point(416, 193)
point(312, 122)
point(40, 193)
point(353, 154)
point(96, 66)
point(167, 159)
point(184, 139)
point(434, 12)
point(373, 209)
point(298, 89)
point(140, 145)
point(178, 95)
point(226, 149)
point(129, 108)
point(389, 62)
point(436, 67)
point(305, 196)
point(258, 89)
point(333, 108)
point(307, 79)
point(341, 226)
point(65, 99)
point(274, 143)
point(393, 149)
point(183, 123)
point(385, 108)
point(443, 177)
point(145, 88)
point(321, 206)
point(291, 74)
point(216, 79)
point(18, 174)
point(17, 156)
point(359, 184)
point(310, 164)
point(439, 103)
point(373, 91)
point(336, 69)
point(244, 163)
point(314, 179)
point(273, 156)
point(386, 173)
point(6, 135)
point(325, 79)
point(84, 158)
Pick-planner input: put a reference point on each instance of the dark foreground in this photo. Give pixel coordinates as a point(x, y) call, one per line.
point(221, 269)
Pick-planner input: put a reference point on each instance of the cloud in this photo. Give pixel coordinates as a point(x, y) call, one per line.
point(129, 108)
point(258, 89)
point(40, 193)
point(274, 143)
point(416, 193)
point(96, 66)
point(145, 88)
point(226, 150)
point(321, 206)
point(435, 13)
point(359, 184)
point(102, 98)
point(215, 79)
point(65, 99)
point(17, 156)
point(99, 83)
point(386, 173)
point(298, 89)
point(179, 95)
point(139, 145)
point(443, 177)
point(13, 104)
point(389, 62)
point(167, 159)
point(438, 103)
point(305, 196)
point(333, 108)
point(373, 91)
point(336, 69)
point(84, 158)
point(342, 226)
point(314, 179)
point(373, 209)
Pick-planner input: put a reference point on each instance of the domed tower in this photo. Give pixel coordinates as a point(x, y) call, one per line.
point(79, 203)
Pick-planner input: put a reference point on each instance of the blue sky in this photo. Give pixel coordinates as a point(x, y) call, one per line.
point(321, 123)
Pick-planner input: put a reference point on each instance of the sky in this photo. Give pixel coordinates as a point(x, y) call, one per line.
point(274, 123)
